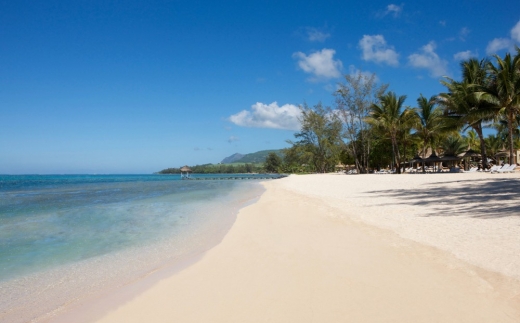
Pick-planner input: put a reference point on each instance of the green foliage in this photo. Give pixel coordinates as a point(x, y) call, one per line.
point(504, 91)
point(454, 145)
point(391, 120)
point(354, 98)
point(218, 169)
point(259, 156)
point(318, 142)
point(273, 162)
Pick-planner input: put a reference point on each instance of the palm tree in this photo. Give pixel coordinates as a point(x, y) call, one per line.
point(389, 117)
point(504, 91)
point(494, 144)
point(430, 121)
point(472, 139)
point(467, 103)
point(454, 146)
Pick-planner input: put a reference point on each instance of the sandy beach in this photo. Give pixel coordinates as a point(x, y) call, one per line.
point(340, 248)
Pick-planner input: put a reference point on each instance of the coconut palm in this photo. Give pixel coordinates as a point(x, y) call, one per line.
point(493, 145)
point(454, 146)
point(504, 91)
point(466, 103)
point(430, 122)
point(389, 117)
point(472, 139)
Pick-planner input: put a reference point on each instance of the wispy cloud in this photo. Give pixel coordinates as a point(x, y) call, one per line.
point(427, 59)
point(515, 32)
point(233, 139)
point(463, 33)
point(465, 55)
point(321, 64)
point(374, 48)
point(316, 35)
point(499, 44)
point(394, 10)
point(271, 115)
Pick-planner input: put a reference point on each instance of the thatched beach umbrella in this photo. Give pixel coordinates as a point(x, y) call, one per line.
point(468, 154)
point(185, 172)
point(450, 158)
point(417, 159)
point(501, 153)
point(433, 158)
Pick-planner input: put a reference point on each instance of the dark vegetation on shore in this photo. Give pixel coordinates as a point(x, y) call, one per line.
point(264, 161)
point(218, 169)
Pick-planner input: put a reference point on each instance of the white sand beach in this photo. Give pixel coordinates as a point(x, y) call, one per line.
point(340, 248)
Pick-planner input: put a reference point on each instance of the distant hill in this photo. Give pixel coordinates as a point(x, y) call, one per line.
point(231, 159)
point(253, 158)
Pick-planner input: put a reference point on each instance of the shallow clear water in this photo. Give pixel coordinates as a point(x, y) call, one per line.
point(71, 235)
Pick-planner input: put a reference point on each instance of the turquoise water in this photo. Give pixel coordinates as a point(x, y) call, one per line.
point(98, 226)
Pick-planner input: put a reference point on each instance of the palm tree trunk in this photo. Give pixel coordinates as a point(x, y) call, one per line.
point(510, 118)
point(483, 150)
point(396, 154)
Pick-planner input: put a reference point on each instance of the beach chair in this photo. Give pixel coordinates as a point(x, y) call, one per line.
point(473, 170)
point(500, 168)
point(492, 169)
point(509, 169)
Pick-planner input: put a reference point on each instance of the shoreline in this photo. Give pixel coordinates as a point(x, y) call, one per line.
point(193, 228)
point(301, 253)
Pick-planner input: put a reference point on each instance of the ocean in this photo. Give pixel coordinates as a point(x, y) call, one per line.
point(65, 238)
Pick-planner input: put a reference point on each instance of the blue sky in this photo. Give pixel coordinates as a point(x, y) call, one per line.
point(138, 86)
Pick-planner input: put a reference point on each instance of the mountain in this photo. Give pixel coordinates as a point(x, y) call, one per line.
point(231, 159)
point(253, 158)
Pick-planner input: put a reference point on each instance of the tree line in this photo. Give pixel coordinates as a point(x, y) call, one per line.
point(370, 127)
point(218, 169)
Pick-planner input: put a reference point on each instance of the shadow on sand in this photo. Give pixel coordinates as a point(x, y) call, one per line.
point(483, 198)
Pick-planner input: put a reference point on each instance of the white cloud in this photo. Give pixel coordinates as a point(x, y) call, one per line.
point(463, 33)
point(375, 49)
point(393, 9)
point(515, 32)
point(233, 139)
point(314, 34)
point(465, 55)
point(269, 116)
point(321, 63)
point(428, 59)
point(498, 44)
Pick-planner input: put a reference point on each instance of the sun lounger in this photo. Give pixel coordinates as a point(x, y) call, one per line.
point(493, 168)
point(472, 170)
point(501, 169)
point(509, 169)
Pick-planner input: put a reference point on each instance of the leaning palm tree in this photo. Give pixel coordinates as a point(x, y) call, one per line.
point(466, 103)
point(504, 92)
point(389, 117)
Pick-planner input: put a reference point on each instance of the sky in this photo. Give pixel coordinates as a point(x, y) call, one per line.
point(129, 86)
